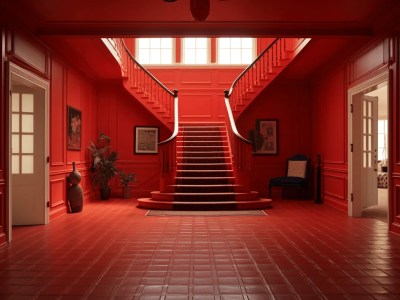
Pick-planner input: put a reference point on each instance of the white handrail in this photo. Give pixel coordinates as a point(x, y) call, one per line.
point(232, 120)
point(176, 120)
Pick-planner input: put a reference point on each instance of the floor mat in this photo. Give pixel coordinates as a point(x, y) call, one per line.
point(204, 213)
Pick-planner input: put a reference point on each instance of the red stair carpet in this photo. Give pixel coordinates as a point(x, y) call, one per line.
point(205, 178)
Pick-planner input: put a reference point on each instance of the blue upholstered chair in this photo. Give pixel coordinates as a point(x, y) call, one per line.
point(297, 173)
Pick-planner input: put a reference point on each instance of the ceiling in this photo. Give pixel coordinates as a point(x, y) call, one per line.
point(69, 25)
point(233, 17)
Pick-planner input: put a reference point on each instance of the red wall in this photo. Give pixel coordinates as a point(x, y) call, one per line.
point(289, 103)
point(68, 88)
point(329, 114)
point(118, 113)
point(201, 90)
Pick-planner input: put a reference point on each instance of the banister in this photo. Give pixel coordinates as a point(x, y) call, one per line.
point(251, 65)
point(144, 70)
point(174, 94)
point(176, 120)
point(232, 120)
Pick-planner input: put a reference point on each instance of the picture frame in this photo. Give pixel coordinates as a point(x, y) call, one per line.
point(74, 128)
point(146, 139)
point(266, 137)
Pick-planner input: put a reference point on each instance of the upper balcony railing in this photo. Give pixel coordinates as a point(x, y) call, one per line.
point(147, 88)
point(265, 67)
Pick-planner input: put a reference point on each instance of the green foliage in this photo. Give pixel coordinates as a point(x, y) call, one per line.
point(126, 178)
point(104, 160)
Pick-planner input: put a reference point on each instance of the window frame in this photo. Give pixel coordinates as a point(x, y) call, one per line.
point(173, 51)
point(208, 52)
point(253, 50)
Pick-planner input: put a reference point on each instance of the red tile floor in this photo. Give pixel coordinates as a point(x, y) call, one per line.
point(111, 250)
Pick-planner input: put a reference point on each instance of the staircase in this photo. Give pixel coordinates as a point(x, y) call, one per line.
point(205, 177)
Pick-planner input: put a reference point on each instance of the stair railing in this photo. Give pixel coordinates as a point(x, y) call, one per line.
point(256, 72)
point(150, 90)
point(145, 85)
point(241, 149)
point(168, 153)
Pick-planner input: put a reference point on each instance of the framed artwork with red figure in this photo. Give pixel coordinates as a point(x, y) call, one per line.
point(74, 125)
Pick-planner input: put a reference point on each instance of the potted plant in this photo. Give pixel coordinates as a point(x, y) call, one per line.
point(103, 164)
point(125, 179)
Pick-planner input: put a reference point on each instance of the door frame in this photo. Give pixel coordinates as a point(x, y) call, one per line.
point(26, 75)
point(354, 204)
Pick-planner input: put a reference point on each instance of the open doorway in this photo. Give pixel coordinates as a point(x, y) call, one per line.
point(28, 174)
point(380, 209)
point(369, 151)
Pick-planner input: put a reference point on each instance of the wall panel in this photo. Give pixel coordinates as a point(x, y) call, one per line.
point(201, 90)
point(371, 59)
point(57, 108)
point(335, 187)
point(30, 53)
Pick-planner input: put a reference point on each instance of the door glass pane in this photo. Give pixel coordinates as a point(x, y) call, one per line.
point(15, 164)
point(364, 159)
point(15, 123)
point(364, 108)
point(369, 159)
point(369, 109)
point(27, 144)
point(370, 143)
point(364, 143)
point(364, 126)
point(15, 143)
point(27, 123)
point(27, 103)
point(27, 164)
point(15, 102)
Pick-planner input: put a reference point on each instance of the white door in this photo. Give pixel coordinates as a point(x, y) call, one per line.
point(364, 156)
point(28, 195)
point(369, 170)
point(363, 145)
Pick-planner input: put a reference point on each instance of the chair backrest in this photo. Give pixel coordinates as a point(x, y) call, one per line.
point(297, 166)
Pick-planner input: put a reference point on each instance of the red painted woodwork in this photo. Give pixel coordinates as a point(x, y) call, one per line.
point(156, 18)
point(3, 160)
point(201, 90)
point(118, 113)
point(290, 104)
point(311, 109)
point(394, 115)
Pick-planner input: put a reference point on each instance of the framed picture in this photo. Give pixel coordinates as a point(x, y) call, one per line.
point(266, 139)
point(146, 140)
point(74, 125)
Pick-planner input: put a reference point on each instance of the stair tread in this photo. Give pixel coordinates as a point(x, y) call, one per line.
point(199, 171)
point(204, 164)
point(204, 177)
point(206, 185)
point(201, 146)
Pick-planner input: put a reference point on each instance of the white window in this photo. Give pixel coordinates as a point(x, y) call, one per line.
point(235, 51)
point(195, 50)
point(154, 51)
